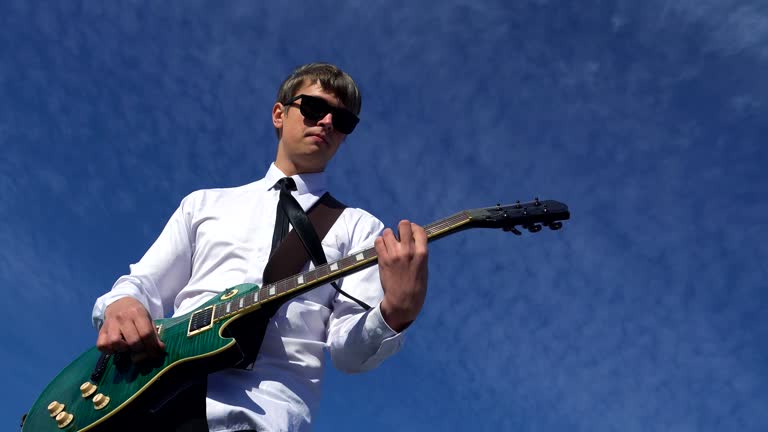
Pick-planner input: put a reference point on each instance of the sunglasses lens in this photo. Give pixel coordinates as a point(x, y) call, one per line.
point(344, 121)
point(314, 108)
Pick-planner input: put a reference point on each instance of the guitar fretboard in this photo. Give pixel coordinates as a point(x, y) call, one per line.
point(325, 273)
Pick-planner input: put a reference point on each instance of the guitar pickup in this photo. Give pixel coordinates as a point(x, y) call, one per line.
point(200, 321)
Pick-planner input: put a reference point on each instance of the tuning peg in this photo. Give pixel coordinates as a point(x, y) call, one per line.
point(536, 201)
point(513, 230)
point(554, 226)
point(534, 228)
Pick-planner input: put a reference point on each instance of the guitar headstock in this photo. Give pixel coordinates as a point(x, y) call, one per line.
point(530, 216)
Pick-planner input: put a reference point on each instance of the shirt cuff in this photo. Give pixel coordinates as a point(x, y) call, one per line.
point(377, 332)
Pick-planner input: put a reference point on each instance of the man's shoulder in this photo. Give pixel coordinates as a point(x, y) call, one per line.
point(212, 196)
point(360, 223)
point(356, 213)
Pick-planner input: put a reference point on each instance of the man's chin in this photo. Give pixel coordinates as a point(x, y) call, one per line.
point(312, 163)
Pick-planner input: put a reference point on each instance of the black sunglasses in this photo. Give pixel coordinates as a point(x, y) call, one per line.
point(315, 108)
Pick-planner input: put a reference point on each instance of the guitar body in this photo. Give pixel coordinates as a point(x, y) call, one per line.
point(133, 388)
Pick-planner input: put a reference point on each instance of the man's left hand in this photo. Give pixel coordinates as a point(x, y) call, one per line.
point(403, 273)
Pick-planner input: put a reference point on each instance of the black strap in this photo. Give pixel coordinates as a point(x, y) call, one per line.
point(308, 236)
point(290, 257)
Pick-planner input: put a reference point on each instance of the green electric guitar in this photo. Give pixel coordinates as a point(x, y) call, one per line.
point(101, 392)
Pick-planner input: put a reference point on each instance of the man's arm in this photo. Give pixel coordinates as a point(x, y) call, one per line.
point(360, 340)
point(125, 313)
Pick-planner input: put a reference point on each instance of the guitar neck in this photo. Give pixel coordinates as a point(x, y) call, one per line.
point(326, 273)
point(528, 215)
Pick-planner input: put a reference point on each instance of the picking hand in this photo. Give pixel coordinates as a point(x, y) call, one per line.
point(128, 328)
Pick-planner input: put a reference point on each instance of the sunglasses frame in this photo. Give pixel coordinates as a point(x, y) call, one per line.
point(338, 114)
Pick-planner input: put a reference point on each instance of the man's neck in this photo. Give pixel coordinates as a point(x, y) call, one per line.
point(291, 169)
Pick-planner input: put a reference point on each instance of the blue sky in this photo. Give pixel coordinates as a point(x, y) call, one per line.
point(646, 312)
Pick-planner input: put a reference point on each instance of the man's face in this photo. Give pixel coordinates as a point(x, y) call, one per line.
point(305, 145)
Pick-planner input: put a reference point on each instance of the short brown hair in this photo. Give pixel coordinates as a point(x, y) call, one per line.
point(331, 79)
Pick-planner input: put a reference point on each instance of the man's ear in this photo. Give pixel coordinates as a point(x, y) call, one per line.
point(278, 113)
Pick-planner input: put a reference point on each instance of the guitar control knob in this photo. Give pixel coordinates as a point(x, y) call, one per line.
point(55, 408)
point(87, 388)
point(63, 419)
point(100, 401)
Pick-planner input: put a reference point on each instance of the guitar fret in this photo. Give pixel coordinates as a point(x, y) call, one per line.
point(286, 285)
point(321, 271)
point(348, 261)
point(448, 222)
point(307, 277)
point(440, 226)
point(340, 264)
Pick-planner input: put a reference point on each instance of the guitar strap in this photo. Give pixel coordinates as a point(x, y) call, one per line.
point(290, 257)
point(309, 228)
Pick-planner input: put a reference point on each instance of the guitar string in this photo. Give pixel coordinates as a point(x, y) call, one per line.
point(284, 285)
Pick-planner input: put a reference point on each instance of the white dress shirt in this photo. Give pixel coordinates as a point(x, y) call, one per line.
point(219, 238)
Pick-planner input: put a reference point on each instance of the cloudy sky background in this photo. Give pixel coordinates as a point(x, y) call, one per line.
point(646, 312)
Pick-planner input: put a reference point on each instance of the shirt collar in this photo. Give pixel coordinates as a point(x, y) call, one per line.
point(313, 183)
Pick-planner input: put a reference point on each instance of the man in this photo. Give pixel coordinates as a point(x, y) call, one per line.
point(219, 238)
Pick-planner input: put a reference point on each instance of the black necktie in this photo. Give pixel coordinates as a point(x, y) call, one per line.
point(285, 185)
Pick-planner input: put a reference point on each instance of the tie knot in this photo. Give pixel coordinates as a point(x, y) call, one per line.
point(286, 183)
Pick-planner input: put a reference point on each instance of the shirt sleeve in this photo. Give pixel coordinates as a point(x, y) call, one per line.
point(161, 273)
point(360, 340)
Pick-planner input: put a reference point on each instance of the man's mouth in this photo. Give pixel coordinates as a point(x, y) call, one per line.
point(321, 137)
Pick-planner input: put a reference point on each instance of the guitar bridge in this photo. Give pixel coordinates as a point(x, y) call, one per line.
point(200, 321)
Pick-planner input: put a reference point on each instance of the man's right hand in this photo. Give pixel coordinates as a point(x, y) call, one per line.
point(128, 327)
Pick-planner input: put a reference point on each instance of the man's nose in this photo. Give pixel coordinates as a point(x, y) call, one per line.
point(326, 122)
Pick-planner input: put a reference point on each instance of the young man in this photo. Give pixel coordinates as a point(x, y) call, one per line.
point(219, 238)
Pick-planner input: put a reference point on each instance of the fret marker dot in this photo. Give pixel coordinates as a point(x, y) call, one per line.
point(300, 280)
point(334, 267)
point(272, 291)
point(359, 257)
